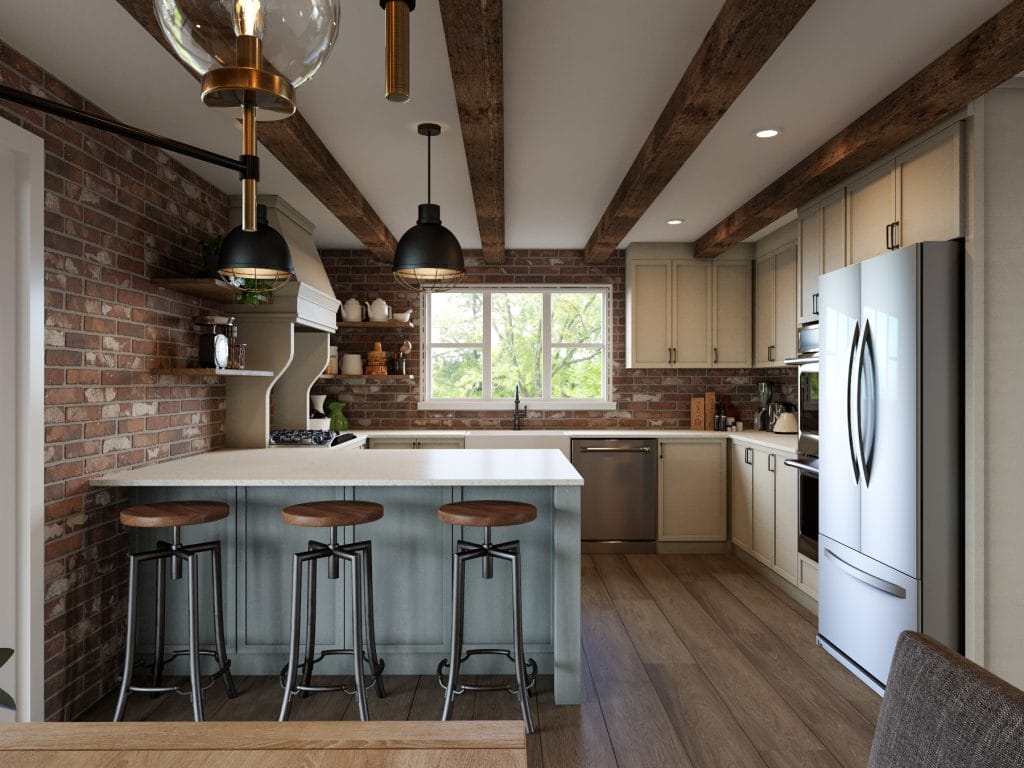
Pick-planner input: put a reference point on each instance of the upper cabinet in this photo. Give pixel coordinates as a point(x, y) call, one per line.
point(913, 197)
point(822, 248)
point(775, 303)
point(684, 313)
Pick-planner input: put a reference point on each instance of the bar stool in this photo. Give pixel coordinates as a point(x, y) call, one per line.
point(333, 515)
point(175, 515)
point(487, 514)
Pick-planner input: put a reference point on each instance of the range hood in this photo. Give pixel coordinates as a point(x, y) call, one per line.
point(308, 300)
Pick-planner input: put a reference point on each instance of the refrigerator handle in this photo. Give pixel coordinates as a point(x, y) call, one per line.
point(867, 403)
point(863, 576)
point(854, 343)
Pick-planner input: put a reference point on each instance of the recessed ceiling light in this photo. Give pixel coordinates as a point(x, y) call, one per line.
point(674, 222)
point(767, 133)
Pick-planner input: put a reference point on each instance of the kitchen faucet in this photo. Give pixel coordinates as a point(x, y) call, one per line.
point(517, 413)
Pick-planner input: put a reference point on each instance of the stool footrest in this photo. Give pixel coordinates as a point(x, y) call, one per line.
point(222, 669)
point(529, 665)
point(300, 668)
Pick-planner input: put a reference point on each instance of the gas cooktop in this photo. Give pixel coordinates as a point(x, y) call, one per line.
point(325, 438)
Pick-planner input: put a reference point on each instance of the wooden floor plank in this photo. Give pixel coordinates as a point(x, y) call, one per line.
point(640, 730)
point(574, 737)
point(765, 716)
point(837, 725)
point(703, 723)
point(779, 615)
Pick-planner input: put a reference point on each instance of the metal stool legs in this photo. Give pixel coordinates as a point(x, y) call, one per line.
point(358, 556)
point(526, 670)
point(179, 555)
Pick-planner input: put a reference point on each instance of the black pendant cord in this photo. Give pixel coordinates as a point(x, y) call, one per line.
point(428, 169)
point(246, 166)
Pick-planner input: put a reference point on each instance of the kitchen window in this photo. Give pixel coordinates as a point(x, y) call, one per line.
point(550, 341)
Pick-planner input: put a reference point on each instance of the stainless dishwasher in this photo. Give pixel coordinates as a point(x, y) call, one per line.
point(620, 493)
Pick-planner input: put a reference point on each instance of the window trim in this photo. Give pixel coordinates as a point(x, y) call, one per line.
point(604, 403)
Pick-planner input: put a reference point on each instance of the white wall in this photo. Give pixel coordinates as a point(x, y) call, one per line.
point(995, 372)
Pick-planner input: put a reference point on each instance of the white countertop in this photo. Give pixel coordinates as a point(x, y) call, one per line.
point(778, 442)
point(318, 466)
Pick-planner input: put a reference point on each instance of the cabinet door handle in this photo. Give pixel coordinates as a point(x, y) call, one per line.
point(748, 455)
point(888, 238)
point(771, 462)
point(814, 304)
point(895, 235)
point(716, 356)
point(771, 354)
point(675, 356)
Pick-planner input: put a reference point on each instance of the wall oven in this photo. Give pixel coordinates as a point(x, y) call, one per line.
point(806, 462)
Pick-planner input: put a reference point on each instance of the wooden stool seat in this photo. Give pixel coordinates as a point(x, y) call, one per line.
point(173, 514)
point(485, 514)
point(332, 514)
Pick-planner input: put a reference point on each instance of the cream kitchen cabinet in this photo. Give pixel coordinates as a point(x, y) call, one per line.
point(683, 313)
point(915, 196)
point(415, 441)
point(822, 249)
point(775, 306)
point(692, 490)
point(763, 507)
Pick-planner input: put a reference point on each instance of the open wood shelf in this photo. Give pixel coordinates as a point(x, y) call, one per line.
point(376, 324)
point(211, 288)
point(365, 377)
point(210, 372)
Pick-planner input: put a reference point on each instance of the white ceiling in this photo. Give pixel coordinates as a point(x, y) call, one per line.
point(584, 84)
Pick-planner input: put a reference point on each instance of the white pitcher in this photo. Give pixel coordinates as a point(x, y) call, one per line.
point(378, 311)
point(352, 311)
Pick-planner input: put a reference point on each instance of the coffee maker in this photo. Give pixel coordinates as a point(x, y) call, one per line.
point(764, 416)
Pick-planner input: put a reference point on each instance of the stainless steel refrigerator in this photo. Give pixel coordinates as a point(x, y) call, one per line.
point(890, 547)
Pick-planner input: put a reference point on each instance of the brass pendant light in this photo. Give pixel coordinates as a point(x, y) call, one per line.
point(396, 48)
point(428, 256)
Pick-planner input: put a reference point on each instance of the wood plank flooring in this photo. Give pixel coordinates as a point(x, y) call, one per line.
point(695, 661)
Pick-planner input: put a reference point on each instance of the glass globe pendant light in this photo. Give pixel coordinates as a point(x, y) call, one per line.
point(428, 257)
point(251, 54)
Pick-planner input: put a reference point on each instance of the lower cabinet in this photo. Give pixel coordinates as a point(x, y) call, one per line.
point(415, 442)
point(762, 500)
point(692, 490)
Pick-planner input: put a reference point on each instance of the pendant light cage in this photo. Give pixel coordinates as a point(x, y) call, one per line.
point(428, 257)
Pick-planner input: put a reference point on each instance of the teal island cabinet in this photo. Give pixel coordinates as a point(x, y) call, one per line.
point(412, 552)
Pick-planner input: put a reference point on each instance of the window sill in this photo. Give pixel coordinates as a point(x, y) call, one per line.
point(506, 405)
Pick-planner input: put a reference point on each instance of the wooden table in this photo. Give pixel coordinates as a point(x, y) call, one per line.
point(480, 744)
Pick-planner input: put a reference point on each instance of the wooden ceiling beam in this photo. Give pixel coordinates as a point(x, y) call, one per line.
point(473, 33)
point(988, 56)
point(742, 38)
point(296, 145)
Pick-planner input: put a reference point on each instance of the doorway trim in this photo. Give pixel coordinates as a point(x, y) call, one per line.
point(28, 155)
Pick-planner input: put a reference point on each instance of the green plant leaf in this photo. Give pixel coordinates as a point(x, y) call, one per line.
point(6, 702)
point(5, 655)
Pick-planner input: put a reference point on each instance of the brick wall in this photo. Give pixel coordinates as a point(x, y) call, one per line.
point(116, 214)
point(649, 398)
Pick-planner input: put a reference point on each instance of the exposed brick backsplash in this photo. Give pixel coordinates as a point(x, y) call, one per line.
point(645, 398)
point(116, 214)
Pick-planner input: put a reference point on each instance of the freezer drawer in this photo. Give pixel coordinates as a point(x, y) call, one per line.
point(862, 608)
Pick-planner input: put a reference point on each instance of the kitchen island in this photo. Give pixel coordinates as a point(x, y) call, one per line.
point(412, 551)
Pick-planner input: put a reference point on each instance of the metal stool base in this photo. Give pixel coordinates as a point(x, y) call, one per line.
point(525, 670)
point(181, 557)
point(296, 676)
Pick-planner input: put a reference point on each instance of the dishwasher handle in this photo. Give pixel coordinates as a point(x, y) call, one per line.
point(644, 449)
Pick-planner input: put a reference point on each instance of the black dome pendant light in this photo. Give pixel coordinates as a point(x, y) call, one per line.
point(428, 257)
